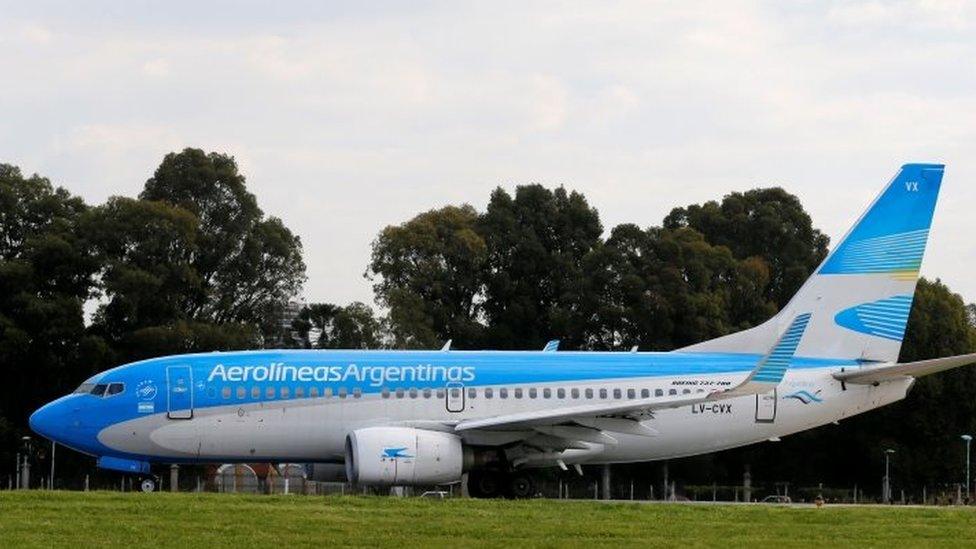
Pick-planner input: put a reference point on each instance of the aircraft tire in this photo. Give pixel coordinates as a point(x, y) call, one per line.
point(485, 484)
point(148, 485)
point(521, 486)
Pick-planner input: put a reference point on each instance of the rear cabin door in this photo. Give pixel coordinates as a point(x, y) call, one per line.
point(179, 392)
point(766, 407)
point(455, 397)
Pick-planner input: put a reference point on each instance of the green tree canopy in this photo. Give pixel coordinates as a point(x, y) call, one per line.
point(248, 266)
point(428, 273)
point(769, 224)
point(537, 242)
point(46, 275)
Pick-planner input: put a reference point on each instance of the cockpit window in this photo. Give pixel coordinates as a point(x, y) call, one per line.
point(84, 388)
point(115, 388)
point(99, 389)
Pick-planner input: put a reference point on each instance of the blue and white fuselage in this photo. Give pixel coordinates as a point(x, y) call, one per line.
point(301, 404)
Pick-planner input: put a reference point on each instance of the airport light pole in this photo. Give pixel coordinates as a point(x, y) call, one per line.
point(887, 477)
point(968, 439)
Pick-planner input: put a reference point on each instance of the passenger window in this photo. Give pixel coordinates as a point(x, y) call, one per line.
point(212, 392)
point(440, 393)
point(699, 390)
point(413, 392)
point(685, 391)
point(455, 392)
point(560, 393)
point(240, 392)
point(255, 392)
point(489, 392)
point(269, 393)
point(574, 392)
point(658, 392)
point(427, 392)
point(399, 392)
point(672, 391)
point(645, 393)
point(313, 392)
point(503, 393)
point(115, 388)
point(327, 392)
point(532, 392)
point(617, 393)
point(357, 392)
point(284, 392)
point(603, 394)
point(99, 390)
point(299, 392)
point(225, 392)
point(385, 392)
point(631, 394)
point(547, 393)
point(589, 393)
point(343, 392)
point(472, 393)
point(518, 392)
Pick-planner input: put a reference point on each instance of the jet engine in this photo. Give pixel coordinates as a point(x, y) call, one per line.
point(403, 456)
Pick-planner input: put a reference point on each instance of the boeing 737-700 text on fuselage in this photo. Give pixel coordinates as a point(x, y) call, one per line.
point(425, 417)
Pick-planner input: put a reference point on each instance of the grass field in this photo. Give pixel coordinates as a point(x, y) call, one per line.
point(151, 521)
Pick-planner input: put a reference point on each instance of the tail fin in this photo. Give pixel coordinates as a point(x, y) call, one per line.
point(860, 296)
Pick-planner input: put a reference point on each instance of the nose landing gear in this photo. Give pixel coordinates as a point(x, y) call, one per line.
point(148, 485)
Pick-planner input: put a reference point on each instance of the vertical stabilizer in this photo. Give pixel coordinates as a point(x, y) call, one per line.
point(860, 296)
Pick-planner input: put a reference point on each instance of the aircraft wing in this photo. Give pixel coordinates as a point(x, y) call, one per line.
point(630, 410)
point(877, 374)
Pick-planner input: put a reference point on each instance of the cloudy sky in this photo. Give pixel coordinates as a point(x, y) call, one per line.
point(347, 117)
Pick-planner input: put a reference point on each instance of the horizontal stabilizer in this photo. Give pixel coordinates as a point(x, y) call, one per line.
point(878, 374)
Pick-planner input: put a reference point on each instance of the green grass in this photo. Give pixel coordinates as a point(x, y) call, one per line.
point(152, 521)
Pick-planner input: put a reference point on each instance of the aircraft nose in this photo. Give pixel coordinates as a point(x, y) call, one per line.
point(47, 420)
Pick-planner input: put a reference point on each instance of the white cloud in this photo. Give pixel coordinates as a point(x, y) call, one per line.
point(345, 122)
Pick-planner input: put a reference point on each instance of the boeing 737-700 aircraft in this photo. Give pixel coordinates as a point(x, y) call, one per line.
point(425, 417)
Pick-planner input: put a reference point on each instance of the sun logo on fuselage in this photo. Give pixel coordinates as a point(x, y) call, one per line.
point(805, 397)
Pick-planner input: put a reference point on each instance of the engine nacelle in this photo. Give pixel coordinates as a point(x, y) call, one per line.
point(326, 472)
point(403, 456)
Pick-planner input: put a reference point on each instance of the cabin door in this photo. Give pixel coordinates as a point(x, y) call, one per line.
point(766, 407)
point(179, 392)
point(455, 397)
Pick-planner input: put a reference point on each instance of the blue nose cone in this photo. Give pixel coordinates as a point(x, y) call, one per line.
point(47, 420)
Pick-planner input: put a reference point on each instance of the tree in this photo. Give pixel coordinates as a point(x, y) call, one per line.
point(664, 288)
point(328, 326)
point(428, 273)
point(535, 289)
point(248, 265)
point(46, 275)
point(770, 224)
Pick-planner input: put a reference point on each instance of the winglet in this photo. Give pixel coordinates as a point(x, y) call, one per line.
point(551, 346)
point(772, 368)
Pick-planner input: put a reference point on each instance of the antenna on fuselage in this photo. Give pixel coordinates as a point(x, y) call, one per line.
point(447, 346)
point(551, 347)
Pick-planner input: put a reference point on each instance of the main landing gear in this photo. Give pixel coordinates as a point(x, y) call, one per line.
point(493, 483)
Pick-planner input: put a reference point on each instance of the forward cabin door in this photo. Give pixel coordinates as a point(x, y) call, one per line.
point(179, 392)
point(455, 397)
point(766, 407)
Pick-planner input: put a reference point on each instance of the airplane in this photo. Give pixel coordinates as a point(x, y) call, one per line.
point(409, 418)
